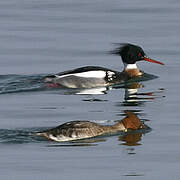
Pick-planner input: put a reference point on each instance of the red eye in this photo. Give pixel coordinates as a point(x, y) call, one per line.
point(140, 55)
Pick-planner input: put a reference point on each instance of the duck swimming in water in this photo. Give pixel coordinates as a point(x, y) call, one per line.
point(94, 76)
point(76, 130)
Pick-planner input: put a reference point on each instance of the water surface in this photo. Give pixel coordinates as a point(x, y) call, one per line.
point(44, 37)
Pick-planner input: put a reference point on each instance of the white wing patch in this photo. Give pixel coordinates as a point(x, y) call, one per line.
point(88, 74)
point(110, 75)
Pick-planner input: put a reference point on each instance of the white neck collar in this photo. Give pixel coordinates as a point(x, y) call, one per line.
point(130, 66)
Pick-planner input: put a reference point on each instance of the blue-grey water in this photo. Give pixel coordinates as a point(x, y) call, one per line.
point(48, 36)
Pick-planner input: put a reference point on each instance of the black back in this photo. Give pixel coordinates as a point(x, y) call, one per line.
point(84, 69)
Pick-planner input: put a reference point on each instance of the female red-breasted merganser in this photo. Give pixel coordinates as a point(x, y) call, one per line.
point(76, 130)
point(93, 76)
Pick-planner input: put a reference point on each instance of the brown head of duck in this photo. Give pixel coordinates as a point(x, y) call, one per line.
point(130, 122)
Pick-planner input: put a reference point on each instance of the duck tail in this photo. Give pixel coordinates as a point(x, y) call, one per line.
point(49, 78)
point(43, 134)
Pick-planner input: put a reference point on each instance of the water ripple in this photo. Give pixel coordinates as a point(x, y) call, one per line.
point(15, 136)
point(21, 83)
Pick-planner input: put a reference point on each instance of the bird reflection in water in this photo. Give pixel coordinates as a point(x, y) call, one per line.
point(131, 139)
point(133, 98)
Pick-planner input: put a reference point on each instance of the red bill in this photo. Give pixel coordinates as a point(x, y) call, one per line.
point(152, 60)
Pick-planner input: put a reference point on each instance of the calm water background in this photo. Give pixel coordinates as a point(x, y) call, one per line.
point(47, 36)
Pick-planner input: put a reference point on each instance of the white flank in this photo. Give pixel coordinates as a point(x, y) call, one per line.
point(62, 138)
point(130, 66)
point(88, 74)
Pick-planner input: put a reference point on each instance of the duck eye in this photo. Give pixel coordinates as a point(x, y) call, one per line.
point(140, 55)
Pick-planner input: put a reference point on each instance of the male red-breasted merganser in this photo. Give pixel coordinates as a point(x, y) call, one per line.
point(76, 130)
point(93, 76)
